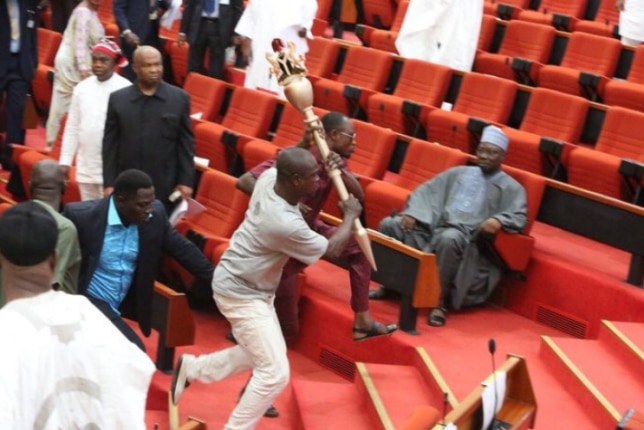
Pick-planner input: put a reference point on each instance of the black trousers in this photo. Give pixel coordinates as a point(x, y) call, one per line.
point(15, 87)
point(208, 40)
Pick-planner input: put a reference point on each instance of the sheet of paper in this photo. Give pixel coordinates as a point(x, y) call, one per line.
point(186, 209)
point(491, 398)
point(201, 161)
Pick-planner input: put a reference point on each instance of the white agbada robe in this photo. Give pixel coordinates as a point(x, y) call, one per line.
point(441, 31)
point(265, 20)
point(631, 20)
point(83, 136)
point(64, 365)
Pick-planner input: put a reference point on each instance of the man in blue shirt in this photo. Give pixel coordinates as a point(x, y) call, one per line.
point(123, 238)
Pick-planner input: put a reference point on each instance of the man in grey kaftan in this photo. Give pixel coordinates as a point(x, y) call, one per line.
point(449, 213)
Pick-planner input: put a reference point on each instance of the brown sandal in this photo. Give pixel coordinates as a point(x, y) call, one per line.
point(373, 331)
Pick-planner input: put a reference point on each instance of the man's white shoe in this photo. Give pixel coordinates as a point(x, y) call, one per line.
point(179, 379)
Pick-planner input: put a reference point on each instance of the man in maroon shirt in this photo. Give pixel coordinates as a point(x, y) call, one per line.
point(340, 137)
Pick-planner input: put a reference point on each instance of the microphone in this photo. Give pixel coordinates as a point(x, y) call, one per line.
point(491, 346)
point(445, 400)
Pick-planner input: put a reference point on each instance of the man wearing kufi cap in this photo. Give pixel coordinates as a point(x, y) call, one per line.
point(449, 213)
point(83, 137)
point(64, 365)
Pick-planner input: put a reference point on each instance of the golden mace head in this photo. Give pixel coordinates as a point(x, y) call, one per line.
point(288, 67)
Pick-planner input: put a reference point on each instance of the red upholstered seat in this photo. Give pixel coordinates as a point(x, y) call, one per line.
point(257, 151)
point(420, 82)
point(549, 114)
point(290, 127)
point(369, 161)
point(178, 60)
point(481, 96)
point(574, 9)
point(605, 22)
point(524, 40)
point(365, 69)
point(249, 115)
point(321, 20)
point(225, 207)
point(26, 162)
point(379, 13)
point(206, 95)
point(224, 204)
point(629, 93)
point(42, 85)
point(515, 249)
point(423, 160)
point(598, 169)
point(373, 150)
point(486, 35)
point(384, 39)
point(585, 53)
point(496, 7)
point(208, 145)
point(321, 58)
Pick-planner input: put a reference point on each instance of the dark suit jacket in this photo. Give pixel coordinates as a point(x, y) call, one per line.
point(28, 38)
point(150, 133)
point(156, 237)
point(228, 17)
point(133, 15)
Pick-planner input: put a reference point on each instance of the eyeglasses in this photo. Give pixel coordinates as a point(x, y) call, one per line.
point(352, 136)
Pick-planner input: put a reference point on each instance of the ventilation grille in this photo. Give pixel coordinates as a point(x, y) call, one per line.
point(555, 318)
point(337, 363)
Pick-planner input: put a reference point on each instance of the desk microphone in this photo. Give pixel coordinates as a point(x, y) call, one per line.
point(445, 400)
point(491, 346)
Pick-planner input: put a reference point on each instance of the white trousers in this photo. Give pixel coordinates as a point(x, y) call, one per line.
point(90, 191)
point(260, 347)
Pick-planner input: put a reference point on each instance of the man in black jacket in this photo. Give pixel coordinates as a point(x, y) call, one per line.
point(208, 25)
point(18, 62)
point(148, 127)
point(123, 238)
point(138, 22)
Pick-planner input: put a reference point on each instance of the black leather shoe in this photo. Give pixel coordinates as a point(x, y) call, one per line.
point(378, 293)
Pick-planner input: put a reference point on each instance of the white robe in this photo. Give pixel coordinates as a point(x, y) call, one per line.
point(265, 20)
point(441, 31)
point(83, 136)
point(64, 365)
point(631, 20)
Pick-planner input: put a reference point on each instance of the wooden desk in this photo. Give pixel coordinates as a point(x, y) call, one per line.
point(410, 272)
point(519, 407)
point(172, 318)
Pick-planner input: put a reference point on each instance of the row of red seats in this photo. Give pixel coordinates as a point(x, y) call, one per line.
point(544, 144)
point(596, 17)
point(588, 64)
point(606, 18)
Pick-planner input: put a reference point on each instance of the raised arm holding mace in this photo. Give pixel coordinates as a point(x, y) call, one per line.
point(289, 68)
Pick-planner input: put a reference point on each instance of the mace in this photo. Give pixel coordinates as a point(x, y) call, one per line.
point(288, 67)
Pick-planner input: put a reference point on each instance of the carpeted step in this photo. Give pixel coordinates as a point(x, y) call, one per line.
point(324, 405)
point(395, 392)
point(602, 380)
point(626, 337)
point(459, 350)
